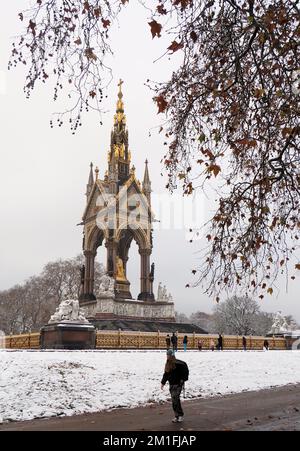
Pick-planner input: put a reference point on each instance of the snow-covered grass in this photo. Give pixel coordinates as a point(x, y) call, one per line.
point(44, 384)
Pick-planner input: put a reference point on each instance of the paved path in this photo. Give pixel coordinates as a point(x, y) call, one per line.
point(274, 409)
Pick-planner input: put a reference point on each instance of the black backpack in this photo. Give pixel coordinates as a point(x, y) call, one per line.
point(184, 369)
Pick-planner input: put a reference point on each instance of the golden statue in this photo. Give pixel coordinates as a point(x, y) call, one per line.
point(120, 269)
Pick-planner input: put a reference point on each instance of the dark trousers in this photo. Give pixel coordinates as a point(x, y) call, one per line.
point(175, 391)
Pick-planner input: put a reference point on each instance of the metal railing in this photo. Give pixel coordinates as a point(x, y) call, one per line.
point(151, 340)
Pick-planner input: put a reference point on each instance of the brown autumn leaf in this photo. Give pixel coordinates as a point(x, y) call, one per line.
point(286, 131)
point(161, 10)
point(32, 26)
point(297, 266)
point(194, 36)
point(161, 103)
point(92, 94)
point(86, 6)
point(182, 3)
point(21, 16)
point(270, 290)
point(78, 41)
point(189, 189)
point(90, 54)
point(214, 168)
point(175, 46)
point(97, 12)
point(155, 28)
point(105, 23)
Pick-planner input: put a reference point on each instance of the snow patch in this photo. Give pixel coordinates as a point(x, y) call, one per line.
point(46, 384)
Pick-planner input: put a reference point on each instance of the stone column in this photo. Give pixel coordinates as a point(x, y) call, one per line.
point(89, 275)
point(111, 247)
point(125, 260)
point(145, 293)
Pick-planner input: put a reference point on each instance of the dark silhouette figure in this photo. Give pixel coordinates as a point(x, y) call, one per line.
point(185, 342)
point(82, 274)
point(266, 345)
point(168, 341)
point(152, 272)
point(220, 343)
point(244, 343)
point(174, 341)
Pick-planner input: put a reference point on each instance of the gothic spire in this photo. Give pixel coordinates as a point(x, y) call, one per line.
point(90, 183)
point(146, 181)
point(119, 153)
point(120, 117)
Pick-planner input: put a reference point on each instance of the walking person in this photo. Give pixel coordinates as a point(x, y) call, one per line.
point(244, 343)
point(185, 342)
point(266, 345)
point(220, 343)
point(212, 345)
point(200, 345)
point(168, 341)
point(176, 373)
point(174, 341)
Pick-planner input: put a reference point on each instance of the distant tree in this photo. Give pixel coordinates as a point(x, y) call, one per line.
point(11, 310)
point(232, 114)
point(27, 307)
point(63, 277)
point(38, 304)
point(236, 316)
point(293, 325)
point(203, 320)
point(181, 317)
point(262, 324)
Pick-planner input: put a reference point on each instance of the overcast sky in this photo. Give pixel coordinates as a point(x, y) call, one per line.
point(43, 171)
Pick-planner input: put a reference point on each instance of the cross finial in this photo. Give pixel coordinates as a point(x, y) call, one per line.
point(120, 87)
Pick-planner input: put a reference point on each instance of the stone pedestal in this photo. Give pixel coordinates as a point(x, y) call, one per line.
point(68, 335)
point(122, 289)
point(129, 308)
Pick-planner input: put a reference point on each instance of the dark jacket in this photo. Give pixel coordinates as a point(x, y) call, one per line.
point(168, 341)
point(185, 339)
point(174, 377)
point(174, 339)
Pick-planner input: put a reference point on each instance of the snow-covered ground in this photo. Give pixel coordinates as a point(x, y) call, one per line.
point(44, 384)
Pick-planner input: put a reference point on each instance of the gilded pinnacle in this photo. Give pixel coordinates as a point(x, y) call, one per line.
point(120, 117)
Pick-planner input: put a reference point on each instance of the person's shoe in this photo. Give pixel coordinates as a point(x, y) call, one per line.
point(177, 420)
